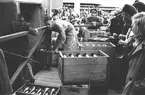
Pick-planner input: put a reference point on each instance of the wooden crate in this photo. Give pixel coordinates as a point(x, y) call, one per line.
point(74, 89)
point(110, 50)
point(44, 57)
point(106, 47)
point(55, 57)
point(81, 70)
point(93, 33)
point(36, 88)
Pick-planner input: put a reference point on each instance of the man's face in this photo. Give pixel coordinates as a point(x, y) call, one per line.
point(48, 23)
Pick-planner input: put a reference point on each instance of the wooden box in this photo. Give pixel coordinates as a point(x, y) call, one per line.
point(44, 57)
point(110, 50)
point(32, 89)
point(76, 70)
point(93, 33)
point(106, 47)
point(82, 89)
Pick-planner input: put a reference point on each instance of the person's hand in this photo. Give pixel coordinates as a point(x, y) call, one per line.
point(80, 45)
point(55, 51)
point(121, 36)
point(122, 42)
point(36, 32)
point(115, 35)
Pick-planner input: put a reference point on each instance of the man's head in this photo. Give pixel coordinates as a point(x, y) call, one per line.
point(128, 12)
point(48, 21)
point(140, 6)
point(129, 9)
point(138, 24)
point(20, 17)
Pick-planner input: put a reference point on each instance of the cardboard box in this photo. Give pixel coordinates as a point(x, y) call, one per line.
point(77, 70)
point(32, 89)
point(82, 89)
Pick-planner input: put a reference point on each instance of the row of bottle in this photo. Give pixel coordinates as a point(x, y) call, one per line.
point(80, 55)
point(93, 45)
point(39, 91)
point(82, 86)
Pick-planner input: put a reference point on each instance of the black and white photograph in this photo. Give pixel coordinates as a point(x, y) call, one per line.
point(72, 47)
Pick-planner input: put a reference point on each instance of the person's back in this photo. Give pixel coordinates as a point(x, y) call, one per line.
point(67, 34)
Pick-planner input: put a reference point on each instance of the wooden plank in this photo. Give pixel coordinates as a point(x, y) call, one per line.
point(25, 62)
point(39, 82)
point(48, 77)
point(12, 36)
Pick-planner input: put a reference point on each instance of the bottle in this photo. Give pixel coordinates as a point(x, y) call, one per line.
point(93, 45)
point(52, 91)
point(33, 88)
point(28, 91)
point(71, 55)
point(78, 55)
point(64, 56)
point(98, 45)
point(47, 93)
point(46, 90)
point(39, 90)
point(86, 55)
point(87, 45)
point(84, 86)
point(104, 45)
point(34, 91)
point(80, 47)
point(25, 89)
point(94, 55)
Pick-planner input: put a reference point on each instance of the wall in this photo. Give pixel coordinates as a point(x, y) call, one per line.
point(7, 15)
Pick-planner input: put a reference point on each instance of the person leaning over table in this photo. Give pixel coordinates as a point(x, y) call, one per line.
point(135, 80)
point(67, 38)
point(126, 36)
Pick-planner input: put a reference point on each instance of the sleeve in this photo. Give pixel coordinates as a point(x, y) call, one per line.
point(60, 39)
point(31, 30)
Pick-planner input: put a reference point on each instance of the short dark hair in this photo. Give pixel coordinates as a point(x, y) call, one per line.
point(20, 15)
point(47, 18)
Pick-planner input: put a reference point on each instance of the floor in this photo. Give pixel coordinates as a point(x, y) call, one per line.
point(51, 78)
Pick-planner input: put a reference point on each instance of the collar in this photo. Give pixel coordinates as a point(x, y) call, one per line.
point(139, 47)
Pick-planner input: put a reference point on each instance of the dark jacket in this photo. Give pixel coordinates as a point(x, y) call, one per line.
point(136, 69)
point(116, 25)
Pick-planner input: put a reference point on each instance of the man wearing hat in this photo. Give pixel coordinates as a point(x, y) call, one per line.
point(128, 11)
point(140, 6)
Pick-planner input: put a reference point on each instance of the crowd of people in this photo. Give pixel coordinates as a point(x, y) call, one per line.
point(128, 27)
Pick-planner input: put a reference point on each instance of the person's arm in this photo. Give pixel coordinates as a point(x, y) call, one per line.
point(60, 39)
point(31, 30)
